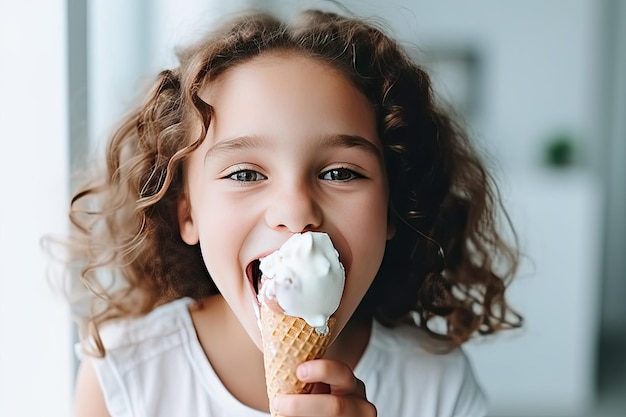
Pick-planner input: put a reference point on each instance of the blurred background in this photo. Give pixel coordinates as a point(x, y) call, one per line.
point(542, 84)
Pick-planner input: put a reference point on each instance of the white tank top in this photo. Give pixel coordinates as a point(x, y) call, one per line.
point(155, 367)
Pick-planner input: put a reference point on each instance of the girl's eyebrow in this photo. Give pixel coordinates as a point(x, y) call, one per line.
point(340, 140)
point(351, 141)
point(234, 144)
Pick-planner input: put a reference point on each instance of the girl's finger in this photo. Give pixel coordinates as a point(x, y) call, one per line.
point(337, 375)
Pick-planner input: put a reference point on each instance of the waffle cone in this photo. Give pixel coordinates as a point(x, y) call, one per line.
point(287, 342)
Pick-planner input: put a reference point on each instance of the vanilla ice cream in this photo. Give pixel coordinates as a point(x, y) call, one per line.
point(306, 279)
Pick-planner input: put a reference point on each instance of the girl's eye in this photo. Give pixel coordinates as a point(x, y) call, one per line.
point(246, 175)
point(340, 175)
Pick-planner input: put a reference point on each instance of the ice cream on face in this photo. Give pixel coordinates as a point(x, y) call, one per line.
point(306, 279)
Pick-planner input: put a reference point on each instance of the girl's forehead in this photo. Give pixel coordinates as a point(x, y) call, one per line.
point(287, 94)
point(266, 61)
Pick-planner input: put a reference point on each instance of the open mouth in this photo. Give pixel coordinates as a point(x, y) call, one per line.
point(253, 272)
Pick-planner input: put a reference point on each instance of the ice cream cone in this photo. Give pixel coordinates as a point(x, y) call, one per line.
point(287, 342)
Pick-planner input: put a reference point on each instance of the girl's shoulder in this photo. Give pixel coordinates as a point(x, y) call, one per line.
point(408, 348)
point(159, 324)
point(430, 377)
point(410, 339)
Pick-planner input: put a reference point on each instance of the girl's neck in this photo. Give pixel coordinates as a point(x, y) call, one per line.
point(239, 363)
point(351, 343)
point(233, 356)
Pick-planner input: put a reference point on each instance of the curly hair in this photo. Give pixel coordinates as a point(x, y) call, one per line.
point(441, 196)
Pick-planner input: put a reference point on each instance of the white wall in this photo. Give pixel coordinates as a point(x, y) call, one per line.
point(130, 42)
point(35, 332)
point(540, 59)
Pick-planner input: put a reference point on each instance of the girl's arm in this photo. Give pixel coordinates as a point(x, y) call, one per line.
point(88, 400)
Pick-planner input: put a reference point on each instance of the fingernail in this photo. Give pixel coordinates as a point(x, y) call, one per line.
point(302, 371)
point(275, 404)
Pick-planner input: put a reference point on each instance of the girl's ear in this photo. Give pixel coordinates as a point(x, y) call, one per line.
point(186, 225)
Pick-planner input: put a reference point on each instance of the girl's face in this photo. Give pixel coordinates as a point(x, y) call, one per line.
point(292, 146)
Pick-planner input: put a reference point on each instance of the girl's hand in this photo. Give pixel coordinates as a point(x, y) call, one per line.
point(337, 392)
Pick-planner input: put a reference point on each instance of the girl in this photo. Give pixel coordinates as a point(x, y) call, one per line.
point(264, 130)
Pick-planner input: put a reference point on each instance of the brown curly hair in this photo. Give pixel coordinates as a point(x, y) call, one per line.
point(441, 196)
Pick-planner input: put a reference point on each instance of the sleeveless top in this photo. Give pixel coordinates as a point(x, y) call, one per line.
point(155, 366)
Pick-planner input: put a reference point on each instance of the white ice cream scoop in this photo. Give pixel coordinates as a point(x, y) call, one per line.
point(306, 279)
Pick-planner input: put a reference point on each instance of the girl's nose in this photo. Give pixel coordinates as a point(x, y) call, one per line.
point(295, 210)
